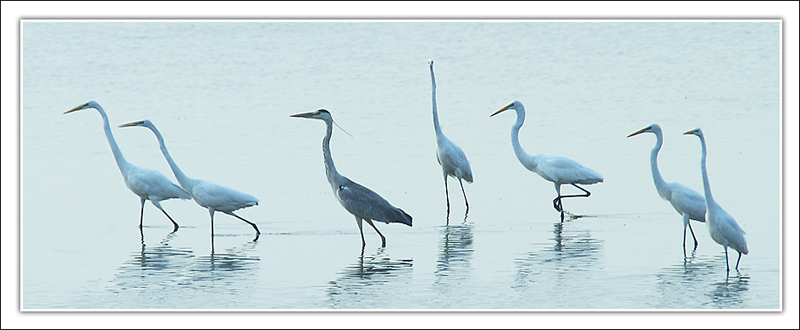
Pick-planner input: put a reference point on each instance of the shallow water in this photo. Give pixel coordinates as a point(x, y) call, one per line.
point(221, 93)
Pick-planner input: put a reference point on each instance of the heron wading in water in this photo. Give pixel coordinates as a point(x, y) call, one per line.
point(452, 159)
point(146, 183)
point(689, 203)
point(363, 203)
point(554, 168)
point(723, 228)
point(209, 195)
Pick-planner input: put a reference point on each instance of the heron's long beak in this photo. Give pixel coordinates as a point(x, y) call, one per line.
point(501, 110)
point(133, 123)
point(692, 131)
point(76, 108)
point(305, 115)
point(638, 132)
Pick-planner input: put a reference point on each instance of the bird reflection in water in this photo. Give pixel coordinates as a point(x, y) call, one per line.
point(695, 283)
point(362, 284)
point(455, 251)
point(572, 251)
point(163, 273)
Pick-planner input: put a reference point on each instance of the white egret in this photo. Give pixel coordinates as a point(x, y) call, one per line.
point(689, 203)
point(554, 168)
point(360, 201)
point(452, 159)
point(146, 183)
point(212, 196)
point(721, 225)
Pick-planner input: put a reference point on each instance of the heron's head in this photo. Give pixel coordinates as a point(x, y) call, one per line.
point(321, 114)
point(87, 105)
point(653, 128)
point(516, 105)
point(143, 123)
point(697, 131)
point(430, 62)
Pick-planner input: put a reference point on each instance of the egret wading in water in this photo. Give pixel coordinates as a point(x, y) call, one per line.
point(146, 183)
point(721, 225)
point(554, 168)
point(360, 201)
point(452, 159)
point(210, 195)
point(689, 203)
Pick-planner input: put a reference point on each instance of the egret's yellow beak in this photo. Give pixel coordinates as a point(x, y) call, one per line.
point(76, 108)
point(133, 123)
point(638, 132)
point(692, 131)
point(503, 109)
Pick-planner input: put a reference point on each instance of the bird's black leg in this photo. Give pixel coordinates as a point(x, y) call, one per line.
point(361, 230)
point(258, 233)
point(691, 231)
point(141, 214)
point(465, 197)
point(174, 224)
point(737, 260)
point(727, 267)
point(447, 196)
point(557, 202)
point(383, 239)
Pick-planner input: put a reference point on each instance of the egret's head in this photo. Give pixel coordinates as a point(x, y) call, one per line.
point(516, 105)
point(87, 105)
point(697, 131)
point(653, 128)
point(142, 123)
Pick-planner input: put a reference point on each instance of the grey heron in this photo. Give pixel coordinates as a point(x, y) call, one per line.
point(360, 201)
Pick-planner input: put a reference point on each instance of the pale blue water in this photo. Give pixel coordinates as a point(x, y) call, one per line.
point(222, 92)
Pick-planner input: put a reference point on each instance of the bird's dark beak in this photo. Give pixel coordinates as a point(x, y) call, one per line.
point(76, 108)
point(501, 110)
point(690, 131)
point(133, 123)
point(638, 132)
point(304, 115)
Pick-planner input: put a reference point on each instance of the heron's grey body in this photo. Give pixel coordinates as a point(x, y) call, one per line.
point(363, 203)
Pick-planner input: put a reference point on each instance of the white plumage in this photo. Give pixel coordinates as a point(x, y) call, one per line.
point(689, 203)
point(146, 183)
point(723, 228)
point(554, 168)
point(212, 196)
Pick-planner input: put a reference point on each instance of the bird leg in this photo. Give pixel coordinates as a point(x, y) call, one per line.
point(211, 212)
point(737, 261)
point(141, 214)
point(447, 196)
point(557, 201)
point(360, 229)
point(383, 239)
point(174, 224)
point(465, 197)
point(258, 233)
point(691, 231)
point(727, 267)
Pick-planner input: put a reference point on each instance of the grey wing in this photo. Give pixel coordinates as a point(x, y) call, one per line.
point(365, 203)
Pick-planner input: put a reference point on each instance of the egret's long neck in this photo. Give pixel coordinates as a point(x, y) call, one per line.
point(657, 179)
point(706, 185)
point(330, 170)
point(521, 154)
point(186, 182)
point(121, 162)
point(436, 126)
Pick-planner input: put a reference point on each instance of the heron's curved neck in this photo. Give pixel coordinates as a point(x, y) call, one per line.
point(121, 162)
point(706, 185)
point(436, 126)
point(334, 178)
point(657, 179)
point(186, 182)
point(521, 154)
